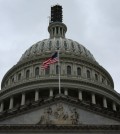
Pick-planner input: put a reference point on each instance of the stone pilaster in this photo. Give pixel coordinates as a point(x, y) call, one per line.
point(1, 106)
point(114, 106)
point(80, 95)
point(23, 99)
point(93, 99)
point(51, 92)
point(11, 103)
point(104, 102)
point(36, 95)
point(66, 91)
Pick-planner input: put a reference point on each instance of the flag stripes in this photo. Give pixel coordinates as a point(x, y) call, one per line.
point(51, 60)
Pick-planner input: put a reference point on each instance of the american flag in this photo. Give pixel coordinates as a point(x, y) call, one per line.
point(51, 60)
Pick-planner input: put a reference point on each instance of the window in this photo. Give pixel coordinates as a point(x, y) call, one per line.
point(103, 79)
point(12, 79)
point(88, 74)
point(6, 83)
point(68, 70)
point(57, 69)
point(19, 76)
point(78, 71)
point(27, 74)
point(96, 77)
point(47, 71)
point(36, 71)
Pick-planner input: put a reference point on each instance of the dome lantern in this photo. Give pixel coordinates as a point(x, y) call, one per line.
point(56, 28)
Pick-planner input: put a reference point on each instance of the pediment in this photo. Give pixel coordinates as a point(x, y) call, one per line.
point(60, 112)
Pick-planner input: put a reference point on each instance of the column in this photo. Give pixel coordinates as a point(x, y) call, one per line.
point(1, 107)
point(93, 99)
point(62, 33)
point(66, 91)
point(15, 78)
point(80, 95)
point(55, 32)
point(59, 31)
point(51, 92)
point(104, 102)
point(114, 106)
point(11, 103)
point(36, 95)
point(23, 99)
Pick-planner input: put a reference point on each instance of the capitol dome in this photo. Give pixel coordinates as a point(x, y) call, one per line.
point(66, 47)
point(78, 91)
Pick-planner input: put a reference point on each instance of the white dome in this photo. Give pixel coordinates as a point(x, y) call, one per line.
point(66, 46)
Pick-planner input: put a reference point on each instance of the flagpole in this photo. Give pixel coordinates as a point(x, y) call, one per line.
point(59, 70)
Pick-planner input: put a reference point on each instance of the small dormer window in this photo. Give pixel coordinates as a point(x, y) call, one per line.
point(19, 76)
point(79, 71)
point(27, 74)
point(103, 79)
point(68, 70)
point(88, 74)
point(96, 77)
point(36, 71)
point(47, 71)
point(12, 79)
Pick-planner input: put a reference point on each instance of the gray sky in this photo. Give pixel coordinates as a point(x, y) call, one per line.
point(93, 23)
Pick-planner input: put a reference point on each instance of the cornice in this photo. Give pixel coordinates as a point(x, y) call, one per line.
point(61, 128)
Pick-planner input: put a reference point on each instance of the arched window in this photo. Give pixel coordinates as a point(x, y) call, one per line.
point(88, 74)
point(57, 69)
point(47, 71)
point(68, 70)
point(78, 71)
point(12, 79)
point(103, 79)
point(96, 77)
point(36, 71)
point(27, 74)
point(19, 76)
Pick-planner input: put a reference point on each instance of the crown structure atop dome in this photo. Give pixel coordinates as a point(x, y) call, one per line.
point(56, 27)
point(56, 13)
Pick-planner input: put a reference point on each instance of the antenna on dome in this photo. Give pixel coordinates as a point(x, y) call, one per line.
point(56, 13)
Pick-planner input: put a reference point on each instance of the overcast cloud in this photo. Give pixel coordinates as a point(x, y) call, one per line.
point(93, 23)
